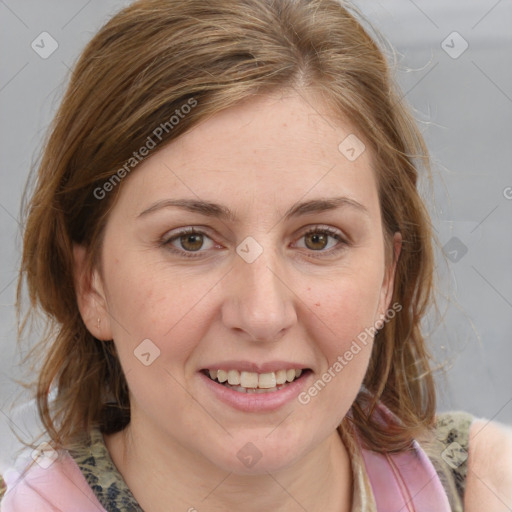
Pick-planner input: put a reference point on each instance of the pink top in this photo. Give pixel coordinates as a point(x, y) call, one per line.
point(60, 487)
point(405, 481)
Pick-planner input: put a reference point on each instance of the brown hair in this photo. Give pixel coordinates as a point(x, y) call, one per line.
point(145, 64)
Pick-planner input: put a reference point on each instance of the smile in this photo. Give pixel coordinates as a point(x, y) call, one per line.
point(255, 392)
point(252, 382)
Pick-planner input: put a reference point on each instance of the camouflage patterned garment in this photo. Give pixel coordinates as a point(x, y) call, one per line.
point(448, 454)
point(103, 477)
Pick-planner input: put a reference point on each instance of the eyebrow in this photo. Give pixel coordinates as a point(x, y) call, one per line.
point(223, 212)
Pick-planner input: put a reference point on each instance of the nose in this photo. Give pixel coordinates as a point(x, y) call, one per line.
point(258, 301)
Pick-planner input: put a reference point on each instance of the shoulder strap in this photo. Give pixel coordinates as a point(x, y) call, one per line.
point(405, 481)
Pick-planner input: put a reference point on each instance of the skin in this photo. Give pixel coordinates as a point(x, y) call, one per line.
point(489, 478)
point(296, 302)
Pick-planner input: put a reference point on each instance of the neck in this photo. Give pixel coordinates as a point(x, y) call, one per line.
point(164, 476)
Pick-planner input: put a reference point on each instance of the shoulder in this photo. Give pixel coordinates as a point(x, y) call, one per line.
point(54, 483)
point(489, 479)
point(477, 453)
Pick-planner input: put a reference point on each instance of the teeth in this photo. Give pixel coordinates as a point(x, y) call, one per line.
point(248, 379)
point(234, 378)
point(267, 380)
point(258, 390)
point(254, 382)
point(280, 377)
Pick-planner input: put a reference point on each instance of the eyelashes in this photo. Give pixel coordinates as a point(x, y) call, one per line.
point(198, 238)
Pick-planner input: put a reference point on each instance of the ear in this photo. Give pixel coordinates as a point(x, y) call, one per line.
point(386, 292)
point(90, 296)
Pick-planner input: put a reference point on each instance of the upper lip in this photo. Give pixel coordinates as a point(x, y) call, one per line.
point(251, 366)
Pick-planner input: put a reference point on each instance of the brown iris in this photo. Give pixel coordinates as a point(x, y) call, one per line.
point(318, 240)
point(192, 242)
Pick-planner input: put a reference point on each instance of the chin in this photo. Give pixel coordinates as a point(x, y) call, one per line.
point(252, 454)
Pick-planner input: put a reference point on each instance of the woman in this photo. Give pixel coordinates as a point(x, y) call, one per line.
point(228, 242)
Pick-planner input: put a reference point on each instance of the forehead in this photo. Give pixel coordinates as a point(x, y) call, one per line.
point(275, 149)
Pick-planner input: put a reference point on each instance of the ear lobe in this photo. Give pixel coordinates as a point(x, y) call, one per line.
point(90, 296)
point(389, 277)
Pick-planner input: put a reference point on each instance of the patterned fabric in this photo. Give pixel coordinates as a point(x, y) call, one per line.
point(447, 451)
point(103, 477)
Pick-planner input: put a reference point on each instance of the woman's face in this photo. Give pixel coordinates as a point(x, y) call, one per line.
point(285, 270)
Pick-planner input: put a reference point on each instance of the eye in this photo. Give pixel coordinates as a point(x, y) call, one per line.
point(192, 242)
point(188, 241)
point(323, 240)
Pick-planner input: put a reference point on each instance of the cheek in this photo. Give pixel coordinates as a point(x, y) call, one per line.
point(165, 308)
point(340, 322)
point(345, 308)
point(146, 302)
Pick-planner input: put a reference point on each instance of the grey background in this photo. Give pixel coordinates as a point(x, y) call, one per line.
point(464, 106)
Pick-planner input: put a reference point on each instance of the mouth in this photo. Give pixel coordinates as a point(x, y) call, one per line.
point(256, 383)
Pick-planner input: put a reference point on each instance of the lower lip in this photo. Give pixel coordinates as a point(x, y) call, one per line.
point(257, 402)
